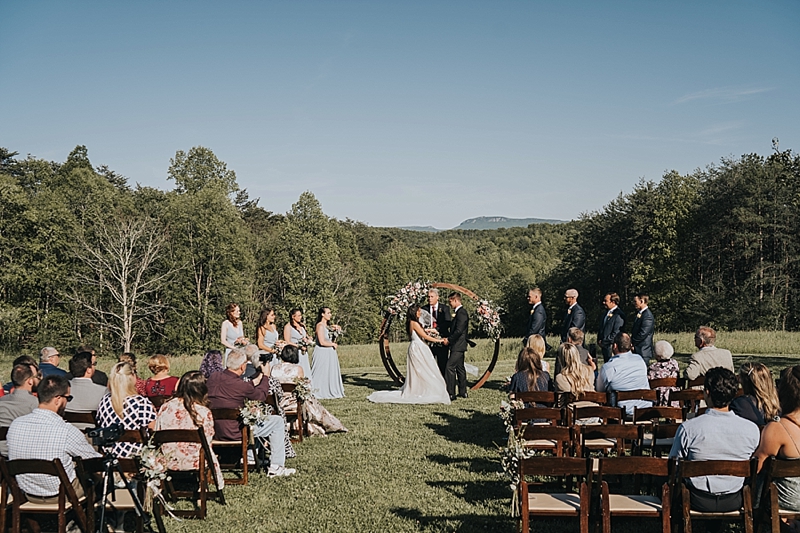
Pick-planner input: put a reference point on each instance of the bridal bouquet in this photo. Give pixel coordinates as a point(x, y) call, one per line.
point(414, 292)
point(253, 412)
point(489, 318)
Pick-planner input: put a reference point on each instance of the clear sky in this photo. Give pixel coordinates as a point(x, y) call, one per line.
point(405, 113)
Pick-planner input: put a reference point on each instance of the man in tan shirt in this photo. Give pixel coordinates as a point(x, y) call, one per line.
point(708, 356)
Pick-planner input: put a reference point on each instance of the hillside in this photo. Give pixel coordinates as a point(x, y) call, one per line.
point(489, 223)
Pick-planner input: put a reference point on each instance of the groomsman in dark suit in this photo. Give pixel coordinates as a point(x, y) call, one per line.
point(440, 314)
point(537, 321)
point(610, 325)
point(457, 341)
point(643, 328)
point(575, 316)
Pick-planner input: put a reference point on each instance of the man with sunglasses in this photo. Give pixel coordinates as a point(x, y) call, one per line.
point(22, 401)
point(43, 434)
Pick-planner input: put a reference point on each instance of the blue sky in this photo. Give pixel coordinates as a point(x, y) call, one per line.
point(405, 113)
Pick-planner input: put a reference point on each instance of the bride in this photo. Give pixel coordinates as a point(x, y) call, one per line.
point(424, 382)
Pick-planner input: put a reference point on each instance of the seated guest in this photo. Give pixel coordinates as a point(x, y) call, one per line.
point(86, 395)
point(253, 360)
point(530, 375)
point(575, 377)
point(575, 338)
point(161, 384)
point(21, 402)
point(664, 367)
point(48, 362)
point(781, 438)
point(538, 344)
point(318, 419)
point(187, 410)
point(227, 390)
point(759, 401)
point(130, 358)
point(212, 362)
point(123, 406)
point(99, 377)
point(625, 371)
point(8, 388)
point(43, 434)
point(708, 356)
point(717, 435)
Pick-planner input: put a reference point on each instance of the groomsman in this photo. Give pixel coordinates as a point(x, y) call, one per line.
point(643, 327)
point(537, 321)
point(440, 315)
point(575, 316)
point(610, 325)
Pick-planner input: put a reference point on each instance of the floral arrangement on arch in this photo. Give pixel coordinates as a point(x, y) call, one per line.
point(413, 292)
point(489, 318)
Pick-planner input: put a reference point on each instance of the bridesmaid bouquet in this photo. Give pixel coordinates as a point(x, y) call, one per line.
point(279, 346)
point(335, 332)
point(305, 343)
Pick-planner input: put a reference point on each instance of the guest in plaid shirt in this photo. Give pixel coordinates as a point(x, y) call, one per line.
point(124, 406)
point(43, 434)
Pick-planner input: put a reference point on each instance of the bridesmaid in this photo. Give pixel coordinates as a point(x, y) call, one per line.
point(232, 331)
point(267, 333)
point(325, 372)
point(293, 333)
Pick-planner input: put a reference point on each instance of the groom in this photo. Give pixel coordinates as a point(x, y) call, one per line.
point(457, 341)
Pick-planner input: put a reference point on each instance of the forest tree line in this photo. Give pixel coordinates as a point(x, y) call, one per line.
point(85, 257)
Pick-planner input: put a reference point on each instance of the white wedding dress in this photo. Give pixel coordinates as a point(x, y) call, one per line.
point(424, 383)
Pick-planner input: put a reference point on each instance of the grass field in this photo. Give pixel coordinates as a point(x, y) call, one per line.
point(404, 468)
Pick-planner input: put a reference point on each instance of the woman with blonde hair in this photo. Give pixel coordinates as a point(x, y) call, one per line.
point(161, 384)
point(537, 343)
point(759, 403)
point(575, 378)
point(122, 405)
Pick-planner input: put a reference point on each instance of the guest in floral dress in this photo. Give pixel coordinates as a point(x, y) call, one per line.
point(122, 405)
point(320, 421)
point(188, 410)
point(664, 367)
point(212, 362)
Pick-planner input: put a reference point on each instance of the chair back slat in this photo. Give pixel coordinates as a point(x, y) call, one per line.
point(653, 466)
point(555, 466)
point(134, 435)
point(657, 413)
point(610, 431)
point(593, 396)
point(551, 414)
point(604, 413)
point(80, 418)
point(4, 433)
point(543, 397)
point(226, 414)
point(663, 382)
point(784, 467)
point(177, 435)
point(33, 466)
point(686, 383)
point(715, 468)
point(639, 394)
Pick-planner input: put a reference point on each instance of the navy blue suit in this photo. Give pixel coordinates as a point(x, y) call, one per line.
point(642, 334)
point(609, 328)
point(573, 318)
point(537, 324)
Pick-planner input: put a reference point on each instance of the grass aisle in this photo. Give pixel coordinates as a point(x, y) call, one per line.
point(400, 468)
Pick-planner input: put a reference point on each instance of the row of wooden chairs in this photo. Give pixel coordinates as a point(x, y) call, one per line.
point(667, 496)
point(690, 400)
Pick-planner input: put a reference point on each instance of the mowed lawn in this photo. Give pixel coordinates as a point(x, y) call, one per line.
point(404, 467)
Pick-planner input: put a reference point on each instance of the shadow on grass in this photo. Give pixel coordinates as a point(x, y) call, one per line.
point(462, 523)
point(384, 383)
point(475, 492)
point(479, 465)
point(477, 428)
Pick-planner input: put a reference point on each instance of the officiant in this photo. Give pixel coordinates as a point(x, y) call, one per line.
point(440, 321)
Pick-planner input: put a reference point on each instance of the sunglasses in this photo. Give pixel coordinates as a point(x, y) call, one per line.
point(67, 397)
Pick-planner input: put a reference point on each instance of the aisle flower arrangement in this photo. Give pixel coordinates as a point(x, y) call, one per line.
point(254, 412)
point(154, 470)
point(302, 389)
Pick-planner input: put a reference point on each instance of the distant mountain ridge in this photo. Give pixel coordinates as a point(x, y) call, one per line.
point(489, 223)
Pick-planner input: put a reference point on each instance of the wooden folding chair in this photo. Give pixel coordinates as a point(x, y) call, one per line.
point(204, 472)
point(607, 437)
point(555, 439)
point(621, 502)
point(686, 383)
point(67, 498)
point(690, 401)
point(600, 398)
point(158, 401)
point(745, 469)
point(5, 497)
point(663, 382)
point(296, 415)
point(658, 439)
point(638, 394)
point(604, 414)
point(553, 504)
point(659, 413)
point(82, 421)
point(546, 398)
point(226, 446)
point(550, 415)
point(770, 511)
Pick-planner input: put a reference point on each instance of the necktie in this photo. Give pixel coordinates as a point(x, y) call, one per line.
point(433, 313)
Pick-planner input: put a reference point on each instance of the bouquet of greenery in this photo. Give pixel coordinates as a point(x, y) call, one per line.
point(254, 412)
point(335, 332)
point(302, 389)
point(154, 470)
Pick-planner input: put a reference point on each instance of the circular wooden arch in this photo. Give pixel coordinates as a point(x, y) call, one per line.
point(386, 353)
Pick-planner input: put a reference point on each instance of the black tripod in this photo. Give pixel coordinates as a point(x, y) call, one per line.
point(111, 465)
